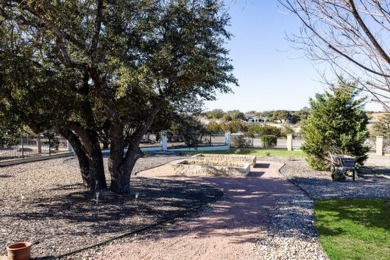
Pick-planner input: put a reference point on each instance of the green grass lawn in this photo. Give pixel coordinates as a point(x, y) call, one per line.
point(354, 228)
point(260, 152)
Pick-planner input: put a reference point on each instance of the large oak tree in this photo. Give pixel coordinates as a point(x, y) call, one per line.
point(81, 67)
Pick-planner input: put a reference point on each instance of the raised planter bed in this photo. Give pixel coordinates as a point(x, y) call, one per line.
point(219, 165)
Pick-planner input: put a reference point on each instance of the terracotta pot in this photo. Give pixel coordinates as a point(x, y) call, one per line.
point(19, 251)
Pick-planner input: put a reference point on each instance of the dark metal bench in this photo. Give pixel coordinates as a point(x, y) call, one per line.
point(344, 163)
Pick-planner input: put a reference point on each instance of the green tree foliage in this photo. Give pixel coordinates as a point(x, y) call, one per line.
point(382, 126)
point(270, 130)
point(86, 67)
point(10, 130)
point(269, 140)
point(235, 126)
point(253, 129)
point(239, 141)
point(265, 114)
point(215, 114)
point(280, 116)
point(337, 124)
point(190, 129)
point(302, 114)
point(233, 115)
point(286, 129)
point(213, 127)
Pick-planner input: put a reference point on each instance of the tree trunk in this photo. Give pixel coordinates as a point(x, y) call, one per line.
point(120, 164)
point(121, 173)
point(91, 162)
point(92, 169)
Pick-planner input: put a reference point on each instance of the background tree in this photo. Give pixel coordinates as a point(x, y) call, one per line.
point(234, 126)
point(190, 129)
point(286, 129)
point(215, 114)
point(382, 128)
point(352, 36)
point(269, 141)
point(270, 130)
point(302, 114)
point(233, 115)
point(72, 66)
point(213, 127)
point(10, 130)
point(337, 124)
point(252, 130)
point(280, 116)
point(265, 114)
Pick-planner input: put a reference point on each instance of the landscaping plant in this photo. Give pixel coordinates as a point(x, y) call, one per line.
point(337, 124)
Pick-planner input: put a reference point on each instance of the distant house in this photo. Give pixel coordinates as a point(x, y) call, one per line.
point(257, 120)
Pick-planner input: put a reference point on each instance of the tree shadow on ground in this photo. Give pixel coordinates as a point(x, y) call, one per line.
point(378, 170)
point(88, 217)
point(244, 211)
point(262, 165)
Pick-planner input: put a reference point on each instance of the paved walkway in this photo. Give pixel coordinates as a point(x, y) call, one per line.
point(228, 230)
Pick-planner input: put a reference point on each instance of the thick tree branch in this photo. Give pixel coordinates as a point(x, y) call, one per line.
point(96, 35)
point(82, 135)
point(358, 63)
point(367, 31)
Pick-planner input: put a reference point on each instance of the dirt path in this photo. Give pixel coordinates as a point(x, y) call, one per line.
point(229, 230)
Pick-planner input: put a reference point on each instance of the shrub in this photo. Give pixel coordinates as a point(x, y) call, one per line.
point(240, 141)
point(270, 130)
point(269, 140)
point(337, 124)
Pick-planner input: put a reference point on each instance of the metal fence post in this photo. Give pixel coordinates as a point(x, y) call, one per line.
point(21, 143)
point(39, 144)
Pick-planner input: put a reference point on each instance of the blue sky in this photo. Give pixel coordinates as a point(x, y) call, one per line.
point(272, 75)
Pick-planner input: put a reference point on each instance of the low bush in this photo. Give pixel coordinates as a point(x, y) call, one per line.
point(269, 140)
point(240, 141)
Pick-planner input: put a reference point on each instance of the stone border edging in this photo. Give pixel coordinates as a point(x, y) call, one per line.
point(34, 159)
point(293, 182)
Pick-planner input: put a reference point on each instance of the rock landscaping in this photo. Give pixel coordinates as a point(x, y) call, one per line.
point(217, 165)
point(44, 203)
point(291, 233)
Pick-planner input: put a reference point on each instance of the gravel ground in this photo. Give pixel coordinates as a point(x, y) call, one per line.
point(45, 203)
point(373, 180)
point(47, 200)
point(291, 233)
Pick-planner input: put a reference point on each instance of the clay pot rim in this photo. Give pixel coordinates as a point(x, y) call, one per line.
point(18, 246)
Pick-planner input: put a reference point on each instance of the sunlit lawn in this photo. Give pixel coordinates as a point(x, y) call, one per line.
point(261, 152)
point(354, 228)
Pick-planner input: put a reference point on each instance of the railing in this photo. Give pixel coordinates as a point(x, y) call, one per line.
point(176, 141)
point(26, 147)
